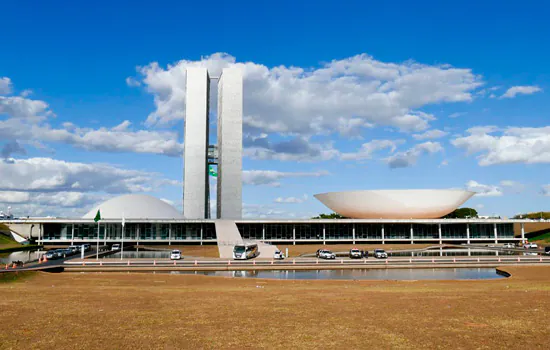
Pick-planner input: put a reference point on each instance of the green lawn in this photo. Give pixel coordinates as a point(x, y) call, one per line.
point(545, 237)
point(6, 240)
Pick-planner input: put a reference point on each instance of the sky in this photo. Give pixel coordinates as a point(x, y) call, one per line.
point(337, 96)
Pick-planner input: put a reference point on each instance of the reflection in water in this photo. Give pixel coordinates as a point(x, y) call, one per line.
point(359, 274)
point(24, 256)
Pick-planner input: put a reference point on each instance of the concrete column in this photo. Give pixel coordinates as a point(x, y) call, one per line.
point(40, 237)
point(468, 233)
point(195, 173)
point(522, 231)
point(202, 234)
point(495, 230)
point(293, 234)
point(353, 232)
point(383, 235)
point(412, 234)
point(324, 234)
point(439, 229)
point(263, 232)
point(72, 234)
point(137, 234)
point(169, 234)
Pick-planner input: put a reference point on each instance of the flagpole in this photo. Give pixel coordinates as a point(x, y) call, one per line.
point(97, 246)
point(122, 242)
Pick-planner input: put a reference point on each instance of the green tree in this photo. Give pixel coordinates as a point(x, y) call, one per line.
point(462, 213)
point(536, 215)
point(329, 216)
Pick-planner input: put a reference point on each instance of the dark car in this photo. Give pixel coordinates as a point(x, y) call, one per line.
point(51, 254)
point(547, 250)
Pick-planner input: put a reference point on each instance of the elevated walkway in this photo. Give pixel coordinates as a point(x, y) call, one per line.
point(228, 236)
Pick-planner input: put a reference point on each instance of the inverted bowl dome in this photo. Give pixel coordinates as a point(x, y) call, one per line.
point(394, 204)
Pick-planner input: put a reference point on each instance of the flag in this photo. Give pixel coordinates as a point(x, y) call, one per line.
point(97, 216)
point(212, 172)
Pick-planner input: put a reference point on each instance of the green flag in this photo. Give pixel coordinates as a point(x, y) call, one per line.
point(212, 172)
point(97, 216)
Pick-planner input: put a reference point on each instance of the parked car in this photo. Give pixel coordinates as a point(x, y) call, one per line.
point(74, 248)
point(355, 253)
point(380, 254)
point(530, 246)
point(175, 255)
point(278, 255)
point(509, 245)
point(326, 254)
point(52, 254)
point(87, 247)
point(115, 247)
point(547, 250)
point(66, 252)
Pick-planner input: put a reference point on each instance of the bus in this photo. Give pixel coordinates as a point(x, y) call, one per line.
point(245, 251)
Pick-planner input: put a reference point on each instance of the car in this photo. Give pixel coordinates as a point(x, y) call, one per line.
point(74, 248)
point(52, 254)
point(355, 253)
point(115, 247)
point(278, 255)
point(380, 254)
point(175, 255)
point(326, 254)
point(66, 252)
point(508, 245)
point(547, 250)
point(530, 245)
point(87, 247)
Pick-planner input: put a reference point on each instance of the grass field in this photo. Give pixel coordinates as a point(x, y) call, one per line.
point(150, 311)
point(7, 243)
point(544, 238)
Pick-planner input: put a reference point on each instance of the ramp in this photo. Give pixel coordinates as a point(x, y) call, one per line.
point(228, 236)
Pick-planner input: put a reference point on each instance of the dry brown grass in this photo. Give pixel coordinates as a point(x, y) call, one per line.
point(148, 311)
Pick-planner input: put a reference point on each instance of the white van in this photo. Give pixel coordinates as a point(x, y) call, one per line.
point(175, 255)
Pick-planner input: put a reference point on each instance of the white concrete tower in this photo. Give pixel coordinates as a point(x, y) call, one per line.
point(195, 178)
point(230, 144)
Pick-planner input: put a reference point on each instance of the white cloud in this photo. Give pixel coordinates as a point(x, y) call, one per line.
point(131, 81)
point(355, 92)
point(520, 90)
point(292, 200)
point(5, 86)
point(272, 177)
point(456, 114)
point(296, 149)
point(512, 186)
point(23, 108)
point(546, 190)
point(513, 145)
point(483, 190)
point(431, 134)
point(409, 157)
point(368, 149)
point(50, 175)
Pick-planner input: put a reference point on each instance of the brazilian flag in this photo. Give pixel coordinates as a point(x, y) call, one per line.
point(97, 216)
point(211, 171)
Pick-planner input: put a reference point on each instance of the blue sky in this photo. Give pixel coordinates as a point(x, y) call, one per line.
point(338, 96)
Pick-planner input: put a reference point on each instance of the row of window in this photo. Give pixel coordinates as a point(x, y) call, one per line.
point(273, 232)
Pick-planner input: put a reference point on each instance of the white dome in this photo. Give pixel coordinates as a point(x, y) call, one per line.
point(135, 206)
point(394, 204)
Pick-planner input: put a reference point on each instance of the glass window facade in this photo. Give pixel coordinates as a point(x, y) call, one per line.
point(482, 231)
point(425, 231)
point(454, 231)
point(275, 232)
point(368, 231)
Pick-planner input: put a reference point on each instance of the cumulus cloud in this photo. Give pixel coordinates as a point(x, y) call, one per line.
point(342, 94)
point(368, 149)
point(11, 148)
point(510, 145)
point(23, 108)
point(520, 90)
point(5, 85)
point(409, 157)
point(483, 190)
point(298, 149)
point(291, 200)
point(50, 175)
point(272, 177)
point(431, 134)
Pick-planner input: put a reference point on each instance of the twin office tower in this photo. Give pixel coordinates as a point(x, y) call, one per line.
point(199, 155)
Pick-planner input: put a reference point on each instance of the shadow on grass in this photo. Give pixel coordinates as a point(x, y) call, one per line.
point(10, 277)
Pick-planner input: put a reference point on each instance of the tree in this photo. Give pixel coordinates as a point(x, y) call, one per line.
point(329, 216)
point(462, 213)
point(536, 215)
